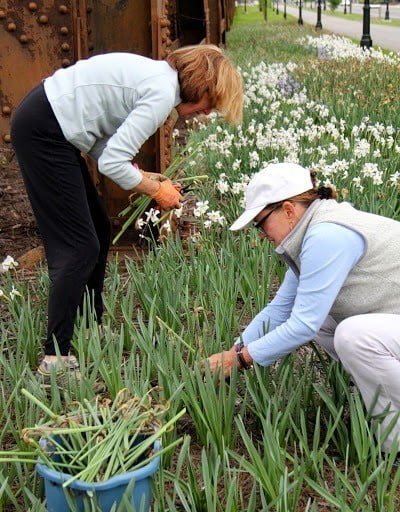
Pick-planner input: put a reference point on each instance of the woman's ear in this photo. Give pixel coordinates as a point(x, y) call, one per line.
point(289, 210)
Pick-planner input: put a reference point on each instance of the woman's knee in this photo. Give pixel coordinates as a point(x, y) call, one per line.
point(347, 339)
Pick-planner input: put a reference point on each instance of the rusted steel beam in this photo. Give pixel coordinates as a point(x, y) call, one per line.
point(38, 37)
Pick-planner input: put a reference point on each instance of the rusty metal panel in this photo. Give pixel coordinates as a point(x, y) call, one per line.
point(219, 14)
point(213, 16)
point(36, 38)
point(230, 12)
point(119, 25)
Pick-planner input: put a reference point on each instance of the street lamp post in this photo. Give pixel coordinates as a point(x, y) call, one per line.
point(319, 22)
point(366, 41)
point(387, 17)
point(300, 20)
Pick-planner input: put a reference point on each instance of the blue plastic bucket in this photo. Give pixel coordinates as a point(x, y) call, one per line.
point(104, 494)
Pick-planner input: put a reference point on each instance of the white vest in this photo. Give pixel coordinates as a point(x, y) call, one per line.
point(373, 285)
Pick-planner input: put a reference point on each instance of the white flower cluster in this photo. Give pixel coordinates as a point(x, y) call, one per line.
point(341, 48)
point(370, 170)
point(210, 217)
point(283, 124)
point(293, 128)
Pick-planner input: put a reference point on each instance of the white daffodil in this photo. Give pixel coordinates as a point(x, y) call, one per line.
point(9, 263)
point(152, 215)
point(166, 226)
point(140, 223)
point(216, 217)
point(178, 212)
point(222, 186)
point(201, 208)
point(14, 293)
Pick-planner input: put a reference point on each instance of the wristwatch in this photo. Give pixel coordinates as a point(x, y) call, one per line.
point(242, 364)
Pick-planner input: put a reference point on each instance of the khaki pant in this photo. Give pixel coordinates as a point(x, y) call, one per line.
point(368, 346)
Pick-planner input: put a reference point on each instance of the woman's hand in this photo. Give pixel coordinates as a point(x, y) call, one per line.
point(154, 176)
point(167, 196)
point(160, 188)
point(223, 361)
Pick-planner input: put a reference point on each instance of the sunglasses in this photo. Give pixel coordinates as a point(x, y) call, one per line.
point(259, 225)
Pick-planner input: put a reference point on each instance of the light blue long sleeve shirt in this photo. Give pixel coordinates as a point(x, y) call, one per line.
point(301, 305)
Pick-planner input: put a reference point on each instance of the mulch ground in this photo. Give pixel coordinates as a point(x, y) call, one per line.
point(18, 231)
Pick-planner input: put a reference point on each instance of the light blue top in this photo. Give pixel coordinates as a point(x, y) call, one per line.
point(301, 305)
point(109, 105)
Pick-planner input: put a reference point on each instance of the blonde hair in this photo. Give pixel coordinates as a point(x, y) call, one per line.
point(205, 69)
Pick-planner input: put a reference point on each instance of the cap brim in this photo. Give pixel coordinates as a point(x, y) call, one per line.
point(245, 219)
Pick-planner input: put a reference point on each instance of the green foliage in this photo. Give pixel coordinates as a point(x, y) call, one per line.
point(334, 4)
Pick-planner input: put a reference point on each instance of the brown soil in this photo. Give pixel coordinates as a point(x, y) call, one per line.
point(18, 231)
point(19, 235)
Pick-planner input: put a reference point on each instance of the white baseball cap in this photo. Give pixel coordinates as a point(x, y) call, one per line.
point(272, 184)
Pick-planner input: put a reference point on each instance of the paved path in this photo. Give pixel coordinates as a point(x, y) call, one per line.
point(377, 11)
point(386, 37)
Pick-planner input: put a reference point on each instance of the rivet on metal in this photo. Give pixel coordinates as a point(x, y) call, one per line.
point(43, 19)
point(7, 137)
point(164, 22)
point(32, 6)
point(63, 9)
point(65, 63)
point(23, 38)
point(2, 14)
point(6, 110)
point(65, 47)
point(64, 31)
point(11, 27)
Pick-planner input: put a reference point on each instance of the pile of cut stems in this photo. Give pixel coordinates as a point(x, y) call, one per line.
point(97, 440)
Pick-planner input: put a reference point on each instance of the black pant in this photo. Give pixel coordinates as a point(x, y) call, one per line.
point(71, 218)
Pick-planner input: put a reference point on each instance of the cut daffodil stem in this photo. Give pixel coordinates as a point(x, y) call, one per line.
point(169, 329)
point(36, 401)
point(141, 203)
